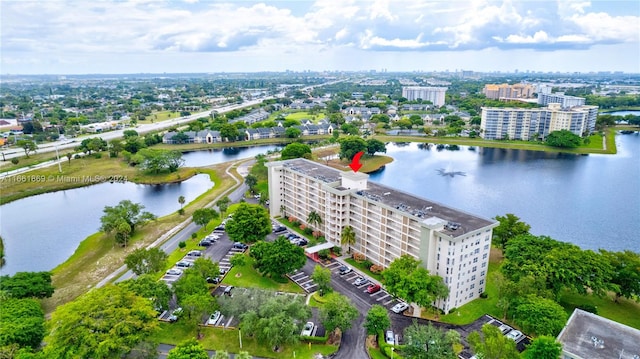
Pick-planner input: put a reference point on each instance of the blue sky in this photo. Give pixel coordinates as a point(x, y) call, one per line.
point(152, 36)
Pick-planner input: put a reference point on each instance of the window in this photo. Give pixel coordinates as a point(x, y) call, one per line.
point(474, 269)
point(473, 277)
point(486, 247)
point(481, 281)
point(475, 260)
point(472, 286)
point(482, 273)
point(484, 256)
point(476, 251)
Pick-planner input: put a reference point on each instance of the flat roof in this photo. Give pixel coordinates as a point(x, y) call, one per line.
point(459, 222)
point(319, 247)
point(591, 336)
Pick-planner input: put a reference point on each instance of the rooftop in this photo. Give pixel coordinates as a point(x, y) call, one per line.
point(591, 336)
point(459, 222)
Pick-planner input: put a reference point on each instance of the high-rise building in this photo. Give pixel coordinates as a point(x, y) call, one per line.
point(565, 101)
point(498, 91)
point(527, 123)
point(388, 223)
point(434, 94)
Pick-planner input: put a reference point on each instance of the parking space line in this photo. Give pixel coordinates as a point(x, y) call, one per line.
point(387, 303)
point(303, 283)
point(381, 298)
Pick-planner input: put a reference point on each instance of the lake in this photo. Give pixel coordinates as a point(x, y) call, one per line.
point(592, 201)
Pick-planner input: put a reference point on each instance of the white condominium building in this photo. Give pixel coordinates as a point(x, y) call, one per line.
point(433, 94)
point(388, 223)
point(565, 101)
point(527, 123)
point(496, 91)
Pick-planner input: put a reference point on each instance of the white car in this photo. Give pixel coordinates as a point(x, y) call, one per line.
point(308, 329)
point(515, 335)
point(400, 307)
point(174, 271)
point(213, 319)
point(389, 338)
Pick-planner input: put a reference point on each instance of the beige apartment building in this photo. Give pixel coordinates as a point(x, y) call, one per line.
point(388, 223)
point(498, 91)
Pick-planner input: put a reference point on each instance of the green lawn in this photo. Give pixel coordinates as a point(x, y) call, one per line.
point(312, 241)
point(364, 269)
point(625, 311)
point(248, 277)
point(316, 300)
point(228, 339)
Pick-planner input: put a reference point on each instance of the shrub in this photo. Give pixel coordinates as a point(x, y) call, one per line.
point(15, 161)
point(316, 234)
point(194, 235)
point(295, 223)
point(337, 250)
point(97, 155)
point(324, 254)
point(303, 227)
point(291, 219)
point(181, 212)
point(318, 340)
point(376, 268)
point(367, 263)
point(308, 231)
point(321, 239)
point(182, 244)
point(453, 310)
point(358, 257)
point(484, 295)
point(588, 308)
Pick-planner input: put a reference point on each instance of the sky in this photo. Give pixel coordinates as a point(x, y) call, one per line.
point(153, 36)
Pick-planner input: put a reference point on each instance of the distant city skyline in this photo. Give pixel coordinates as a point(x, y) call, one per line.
point(189, 36)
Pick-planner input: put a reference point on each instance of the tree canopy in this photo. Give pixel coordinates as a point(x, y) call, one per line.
point(543, 347)
point(143, 261)
point(322, 277)
point(429, 342)
point(509, 227)
point(626, 272)
point(105, 322)
point(27, 285)
point(147, 286)
point(351, 145)
point(564, 139)
point(377, 320)
point(203, 216)
point(188, 349)
point(405, 278)
point(374, 146)
point(540, 316)
point(123, 218)
point(337, 312)
point(277, 258)
point(156, 161)
point(21, 323)
point(295, 150)
point(250, 223)
point(491, 344)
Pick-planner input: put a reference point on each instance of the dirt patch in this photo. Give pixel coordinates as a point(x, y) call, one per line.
point(372, 342)
point(335, 337)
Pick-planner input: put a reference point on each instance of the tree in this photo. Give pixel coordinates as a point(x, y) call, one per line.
point(21, 323)
point(28, 146)
point(123, 219)
point(69, 156)
point(337, 312)
point(314, 219)
point(540, 316)
point(191, 282)
point(243, 355)
point(143, 261)
point(428, 342)
point(251, 181)
point(543, 347)
point(180, 137)
point(206, 268)
point(295, 150)
point(292, 132)
point(322, 277)
point(229, 131)
point(203, 216)
point(564, 139)
point(27, 285)
point(147, 286)
point(348, 237)
point(405, 278)
point(250, 223)
point(351, 145)
point(223, 204)
point(156, 161)
point(188, 349)
point(129, 133)
point(374, 146)
point(93, 144)
point(181, 200)
point(103, 323)
point(492, 344)
point(417, 120)
point(377, 320)
point(115, 147)
point(238, 260)
point(626, 272)
point(196, 308)
point(221, 354)
point(509, 227)
point(277, 258)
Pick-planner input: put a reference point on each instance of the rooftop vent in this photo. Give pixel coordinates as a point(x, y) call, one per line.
point(597, 343)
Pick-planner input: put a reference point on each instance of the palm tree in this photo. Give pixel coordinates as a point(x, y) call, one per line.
point(348, 237)
point(314, 219)
point(181, 200)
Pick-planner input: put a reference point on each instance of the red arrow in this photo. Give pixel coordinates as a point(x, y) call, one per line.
point(355, 162)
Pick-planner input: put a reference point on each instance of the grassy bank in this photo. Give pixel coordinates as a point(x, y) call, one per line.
point(97, 255)
point(228, 339)
point(369, 164)
point(595, 146)
point(81, 172)
point(247, 277)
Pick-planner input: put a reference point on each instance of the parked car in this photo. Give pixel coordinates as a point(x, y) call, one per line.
point(345, 270)
point(213, 319)
point(515, 335)
point(205, 243)
point(227, 290)
point(400, 307)
point(308, 329)
point(301, 242)
point(175, 314)
point(222, 271)
point(220, 228)
point(184, 264)
point(360, 281)
point(214, 280)
point(240, 245)
point(195, 253)
point(389, 338)
point(373, 288)
point(174, 271)
point(279, 229)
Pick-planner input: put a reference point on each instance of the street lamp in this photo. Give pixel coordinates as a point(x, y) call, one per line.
point(392, 349)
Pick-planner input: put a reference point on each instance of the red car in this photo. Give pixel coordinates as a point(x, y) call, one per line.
point(373, 288)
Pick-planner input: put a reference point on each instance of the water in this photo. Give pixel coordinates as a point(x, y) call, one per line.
point(623, 113)
point(592, 201)
point(42, 231)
